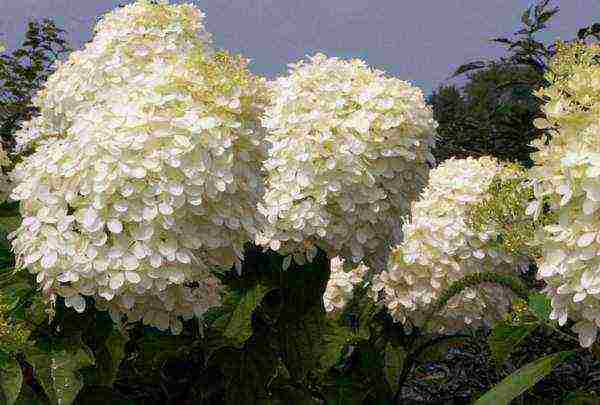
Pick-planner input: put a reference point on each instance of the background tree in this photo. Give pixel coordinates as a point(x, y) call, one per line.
point(24, 71)
point(487, 118)
point(493, 113)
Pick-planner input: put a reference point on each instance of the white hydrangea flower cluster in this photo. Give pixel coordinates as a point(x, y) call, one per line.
point(440, 248)
point(129, 44)
point(349, 148)
point(567, 175)
point(165, 309)
point(145, 169)
point(340, 287)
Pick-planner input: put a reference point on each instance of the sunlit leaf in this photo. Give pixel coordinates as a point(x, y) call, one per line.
point(239, 324)
point(522, 379)
point(540, 305)
point(505, 338)
point(58, 370)
point(394, 361)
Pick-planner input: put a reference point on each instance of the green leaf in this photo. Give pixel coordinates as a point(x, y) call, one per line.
point(27, 396)
point(36, 312)
point(333, 339)
point(467, 67)
point(153, 350)
point(116, 346)
point(522, 379)
point(540, 305)
point(239, 324)
point(14, 292)
point(247, 371)
point(58, 369)
point(9, 224)
point(394, 361)
point(503, 108)
point(9, 209)
point(11, 379)
point(312, 342)
point(108, 359)
point(4, 357)
point(368, 311)
point(345, 389)
point(299, 340)
point(505, 338)
point(283, 390)
point(544, 17)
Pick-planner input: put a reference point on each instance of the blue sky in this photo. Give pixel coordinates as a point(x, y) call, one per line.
point(421, 41)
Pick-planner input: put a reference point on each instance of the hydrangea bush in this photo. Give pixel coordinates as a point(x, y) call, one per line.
point(157, 165)
point(144, 170)
point(348, 149)
point(567, 179)
point(441, 246)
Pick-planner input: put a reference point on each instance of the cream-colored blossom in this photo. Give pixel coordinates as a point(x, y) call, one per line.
point(340, 287)
point(440, 247)
point(145, 175)
point(567, 177)
point(129, 46)
point(349, 148)
point(167, 308)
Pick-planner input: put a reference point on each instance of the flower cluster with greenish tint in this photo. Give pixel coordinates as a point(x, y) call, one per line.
point(506, 210)
point(348, 150)
point(130, 44)
point(340, 287)
point(567, 175)
point(144, 168)
point(442, 246)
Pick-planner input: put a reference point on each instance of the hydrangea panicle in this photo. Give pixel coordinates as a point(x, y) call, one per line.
point(440, 247)
point(145, 173)
point(349, 148)
point(567, 176)
point(340, 287)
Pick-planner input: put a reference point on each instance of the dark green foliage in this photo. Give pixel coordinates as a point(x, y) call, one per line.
point(489, 116)
point(11, 380)
point(591, 31)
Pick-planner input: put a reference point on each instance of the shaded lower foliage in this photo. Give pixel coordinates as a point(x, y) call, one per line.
point(272, 343)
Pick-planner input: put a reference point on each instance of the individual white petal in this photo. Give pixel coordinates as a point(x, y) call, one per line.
point(114, 225)
point(132, 277)
point(116, 281)
point(49, 259)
